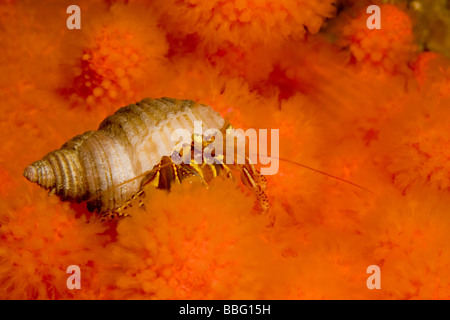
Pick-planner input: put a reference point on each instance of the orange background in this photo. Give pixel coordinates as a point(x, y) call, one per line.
point(364, 105)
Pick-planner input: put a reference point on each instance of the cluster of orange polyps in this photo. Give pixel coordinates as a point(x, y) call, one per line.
point(337, 110)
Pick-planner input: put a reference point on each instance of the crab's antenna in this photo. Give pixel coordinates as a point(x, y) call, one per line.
point(320, 172)
point(227, 125)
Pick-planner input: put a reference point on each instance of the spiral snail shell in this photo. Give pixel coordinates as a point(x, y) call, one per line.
point(95, 165)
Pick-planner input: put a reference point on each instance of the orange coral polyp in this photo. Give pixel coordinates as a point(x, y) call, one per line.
point(381, 46)
point(243, 22)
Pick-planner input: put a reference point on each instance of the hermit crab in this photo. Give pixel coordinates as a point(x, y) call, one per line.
point(132, 149)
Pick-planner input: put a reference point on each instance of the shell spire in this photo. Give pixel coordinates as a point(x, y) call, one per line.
point(61, 171)
point(41, 172)
point(31, 173)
